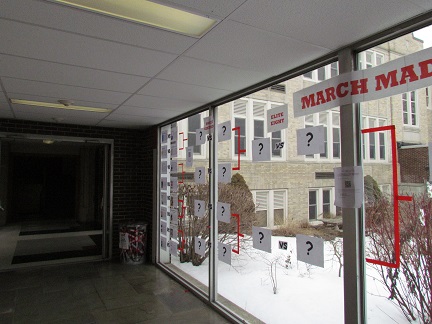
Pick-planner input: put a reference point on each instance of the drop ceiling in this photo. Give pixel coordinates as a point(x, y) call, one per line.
point(146, 75)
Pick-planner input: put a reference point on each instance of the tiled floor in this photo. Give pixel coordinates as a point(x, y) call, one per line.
point(98, 292)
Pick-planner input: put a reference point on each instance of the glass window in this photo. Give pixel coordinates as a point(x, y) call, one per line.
point(194, 123)
point(313, 211)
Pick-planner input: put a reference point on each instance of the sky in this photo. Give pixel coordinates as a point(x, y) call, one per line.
point(425, 34)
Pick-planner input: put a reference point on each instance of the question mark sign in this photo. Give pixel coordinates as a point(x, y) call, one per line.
point(199, 171)
point(224, 171)
point(199, 206)
point(262, 146)
point(311, 137)
point(311, 246)
point(223, 210)
point(225, 250)
point(199, 243)
point(261, 236)
point(200, 135)
point(224, 130)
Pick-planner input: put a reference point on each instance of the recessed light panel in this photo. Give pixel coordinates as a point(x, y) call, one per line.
point(150, 13)
point(58, 106)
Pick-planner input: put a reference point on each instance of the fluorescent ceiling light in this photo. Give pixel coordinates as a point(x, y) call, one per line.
point(58, 106)
point(150, 13)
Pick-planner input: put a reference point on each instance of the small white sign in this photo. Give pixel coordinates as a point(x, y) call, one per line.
point(261, 150)
point(224, 253)
point(261, 238)
point(163, 213)
point(164, 136)
point(164, 198)
point(174, 152)
point(348, 186)
point(224, 131)
point(200, 246)
point(310, 140)
point(124, 241)
point(164, 167)
point(174, 232)
point(200, 176)
point(164, 183)
point(310, 250)
point(199, 208)
point(174, 134)
point(174, 184)
point(163, 228)
point(174, 166)
point(174, 200)
point(223, 212)
point(277, 118)
point(173, 247)
point(224, 172)
point(174, 215)
point(200, 136)
point(189, 156)
point(208, 125)
point(164, 151)
point(163, 243)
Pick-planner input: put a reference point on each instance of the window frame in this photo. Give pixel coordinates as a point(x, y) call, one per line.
point(270, 194)
point(409, 109)
point(320, 202)
point(377, 122)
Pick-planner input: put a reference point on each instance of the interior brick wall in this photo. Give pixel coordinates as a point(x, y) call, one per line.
point(132, 172)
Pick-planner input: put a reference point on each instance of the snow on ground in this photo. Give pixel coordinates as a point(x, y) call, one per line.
point(305, 294)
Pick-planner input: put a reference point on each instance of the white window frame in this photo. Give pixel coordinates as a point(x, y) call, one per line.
point(375, 59)
point(327, 72)
point(407, 103)
point(319, 202)
point(249, 122)
point(372, 122)
point(330, 143)
point(271, 205)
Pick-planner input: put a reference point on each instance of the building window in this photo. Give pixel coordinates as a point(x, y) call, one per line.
point(270, 207)
point(250, 115)
point(321, 203)
point(194, 123)
point(428, 97)
point(409, 108)
point(370, 58)
point(331, 123)
point(323, 73)
point(374, 146)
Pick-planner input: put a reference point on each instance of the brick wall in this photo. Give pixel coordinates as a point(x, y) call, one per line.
point(133, 167)
point(414, 164)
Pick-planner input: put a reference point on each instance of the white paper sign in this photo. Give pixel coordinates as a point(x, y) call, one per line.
point(200, 176)
point(224, 172)
point(348, 187)
point(163, 243)
point(173, 247)
point(174, 215)
point(223, 212)
point(164, 152)
point(164, 183)
point(189, 156)
point(164, 136)
point(200, 136)
point(164, 167)
point(174, 151)
point(200, 246)
point(261, 238)
point(224, 253)
point(261, 150)
point(163, 213)
point(310, 250)
point(199, 208)
point(163, 228)
point(208, 125)
point(124, 241)
point(224, 131)
point(174, 134)
point(174, 184)
point(277, 118)
point(174, 166)
point(164, 198)
point(310, 140)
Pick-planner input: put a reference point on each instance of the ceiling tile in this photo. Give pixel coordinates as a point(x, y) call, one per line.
point(264, 51)
point(143, 120)
point(213, 8)
point(18, 86)
point(133, 124)
point(57, 118)
point(2, 97)
point(161, 103)
point(22, 68)
point(5, 111)
point(425, 4)
point(146, 112)
point(61, 47)
point(212, 75)
point(61, 17)
point(182, 91)
point(331, 24)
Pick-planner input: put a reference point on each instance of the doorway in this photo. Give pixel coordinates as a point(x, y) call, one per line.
point(54, 200)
